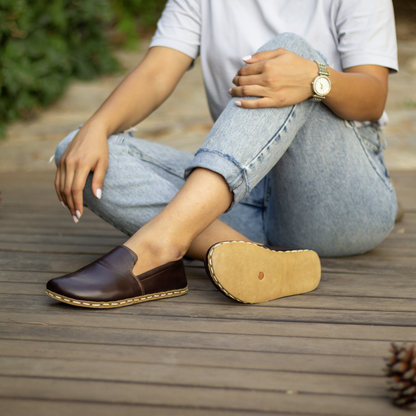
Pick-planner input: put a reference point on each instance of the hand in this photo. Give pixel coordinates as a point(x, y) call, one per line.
point(281, 78)
point(87, 152)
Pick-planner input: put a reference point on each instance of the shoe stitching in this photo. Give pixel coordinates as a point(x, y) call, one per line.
point(211, 269)
point(117, 303)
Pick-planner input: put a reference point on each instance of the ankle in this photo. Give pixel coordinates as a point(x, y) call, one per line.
point(158, 251)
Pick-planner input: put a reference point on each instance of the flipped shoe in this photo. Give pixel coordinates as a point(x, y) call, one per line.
point(253, 273)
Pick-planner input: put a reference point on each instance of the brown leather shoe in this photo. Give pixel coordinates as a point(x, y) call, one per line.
point(253, 273)
point(110, 283)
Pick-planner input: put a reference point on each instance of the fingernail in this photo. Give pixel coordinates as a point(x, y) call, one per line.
point(78, 214)
point(98, 194)
point(247, 58)
point(229, 91)
point(63, 204)
point(76, 220)
point(238, 103)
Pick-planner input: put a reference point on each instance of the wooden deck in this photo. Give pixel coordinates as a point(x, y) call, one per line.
point(200, 354)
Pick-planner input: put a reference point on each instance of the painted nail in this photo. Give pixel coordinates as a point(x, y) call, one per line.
point(76, 220)
point(238, 103)
point(78, 214)
point(63, 204)
point(247, 58)
point(229, 91)
point(98, 194)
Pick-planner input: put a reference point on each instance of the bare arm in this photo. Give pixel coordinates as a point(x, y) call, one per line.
point(144, 90)
point(359, 93)
point(141, 92)
point(282, 78)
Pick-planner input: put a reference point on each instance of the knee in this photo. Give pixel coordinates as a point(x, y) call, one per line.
point(292, 42)
point(60, 149)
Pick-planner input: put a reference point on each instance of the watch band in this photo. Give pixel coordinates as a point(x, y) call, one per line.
point(322, 69)
point(322, 72)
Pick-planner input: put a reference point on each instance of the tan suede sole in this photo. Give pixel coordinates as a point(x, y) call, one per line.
point(118, 303)
point(250, 273)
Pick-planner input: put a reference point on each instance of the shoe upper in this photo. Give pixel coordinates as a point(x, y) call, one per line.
point(110, 278)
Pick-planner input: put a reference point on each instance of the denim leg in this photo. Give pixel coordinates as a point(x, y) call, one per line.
point(245, 144)
point(331, 191)
point(327, 191)
point(142, 178)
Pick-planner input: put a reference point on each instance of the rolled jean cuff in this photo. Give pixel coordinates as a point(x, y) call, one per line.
point(226, 166)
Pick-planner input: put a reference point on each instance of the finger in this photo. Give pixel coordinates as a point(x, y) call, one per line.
point(77, 189)
point(67, 185)
point(258, 103)
point(253, 69)
point(62, 177)
point(248, 80)
point(265, 55)
point(57, 187)
point(248, 91)
point(98, 178)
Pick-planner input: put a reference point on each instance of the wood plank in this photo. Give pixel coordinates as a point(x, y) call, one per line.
point(395, 241)
point(129, 321)
point(57, 211)
point(271, 361)
point(56, 248)
point(21, 406)
point(332, 284)
point(68, 262)
point(27, 277)
point(54, 223)
point(399, 235)
point(195, 339)
point(306, 301)
point(409, 218)
point(67, 230)
point(63, 263)
point(404, 241)
point(367, 264)
point(28, 214)
point(63, 239)
point(211, 377)
point(391, 252)
point(197, 397)
point(175, 307)
point(337, 334)
point(368, 285)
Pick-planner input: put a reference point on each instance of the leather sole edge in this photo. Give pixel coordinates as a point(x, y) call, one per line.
point(116, 303)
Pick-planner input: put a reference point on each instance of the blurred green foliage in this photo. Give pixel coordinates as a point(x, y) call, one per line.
point(45, 43)
point(134, 16)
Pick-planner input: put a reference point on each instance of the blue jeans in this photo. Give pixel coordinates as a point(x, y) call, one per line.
point(301, 176)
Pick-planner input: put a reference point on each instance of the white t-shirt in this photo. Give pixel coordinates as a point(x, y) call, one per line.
point(346, 32)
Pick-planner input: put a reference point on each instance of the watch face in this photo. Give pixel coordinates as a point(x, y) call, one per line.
point(322, 85)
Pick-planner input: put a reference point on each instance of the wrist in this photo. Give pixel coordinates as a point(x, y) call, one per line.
point(321, 85)
point(98, 125)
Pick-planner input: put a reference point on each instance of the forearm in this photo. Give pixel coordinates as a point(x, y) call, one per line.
point(142, 91)
point(359, 93)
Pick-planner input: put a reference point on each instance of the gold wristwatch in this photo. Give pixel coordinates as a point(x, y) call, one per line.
point(321, 85)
